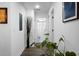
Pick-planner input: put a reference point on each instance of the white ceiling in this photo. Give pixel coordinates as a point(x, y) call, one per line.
point(44, 6)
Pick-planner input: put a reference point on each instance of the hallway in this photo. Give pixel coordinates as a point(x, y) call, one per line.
point(50, 25)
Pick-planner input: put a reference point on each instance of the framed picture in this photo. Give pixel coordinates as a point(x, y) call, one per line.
point(20, 21)
point(70, 11)
point(3, 16)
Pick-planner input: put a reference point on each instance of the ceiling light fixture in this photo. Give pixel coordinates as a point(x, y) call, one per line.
point(41, 19)
point(37, 7)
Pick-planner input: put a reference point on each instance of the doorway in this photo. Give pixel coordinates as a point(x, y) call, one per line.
point(29, 20)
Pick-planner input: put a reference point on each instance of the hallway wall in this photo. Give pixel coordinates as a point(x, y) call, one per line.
point(5, 33)
point(17, 36)
point(11, 39)
point(70, 30)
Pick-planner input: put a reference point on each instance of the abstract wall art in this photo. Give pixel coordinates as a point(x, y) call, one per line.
point(70, 11)
point(3, 16)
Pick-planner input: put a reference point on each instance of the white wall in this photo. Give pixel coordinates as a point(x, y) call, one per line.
point(17, 37)
point(13, 41)
point(70, 29)
point(5, 34)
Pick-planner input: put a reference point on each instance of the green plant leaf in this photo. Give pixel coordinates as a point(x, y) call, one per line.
point(59, 54)
point(46, 34)
point(68, 53)
point(61, 39)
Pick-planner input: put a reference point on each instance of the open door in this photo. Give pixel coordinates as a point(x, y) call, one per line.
point(29, 20)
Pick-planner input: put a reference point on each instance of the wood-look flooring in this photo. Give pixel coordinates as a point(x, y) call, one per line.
point(33, 51)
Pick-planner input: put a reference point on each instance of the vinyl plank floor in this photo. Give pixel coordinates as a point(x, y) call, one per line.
point(33, 51)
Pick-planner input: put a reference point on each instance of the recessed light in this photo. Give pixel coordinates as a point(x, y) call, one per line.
point(37, 7)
